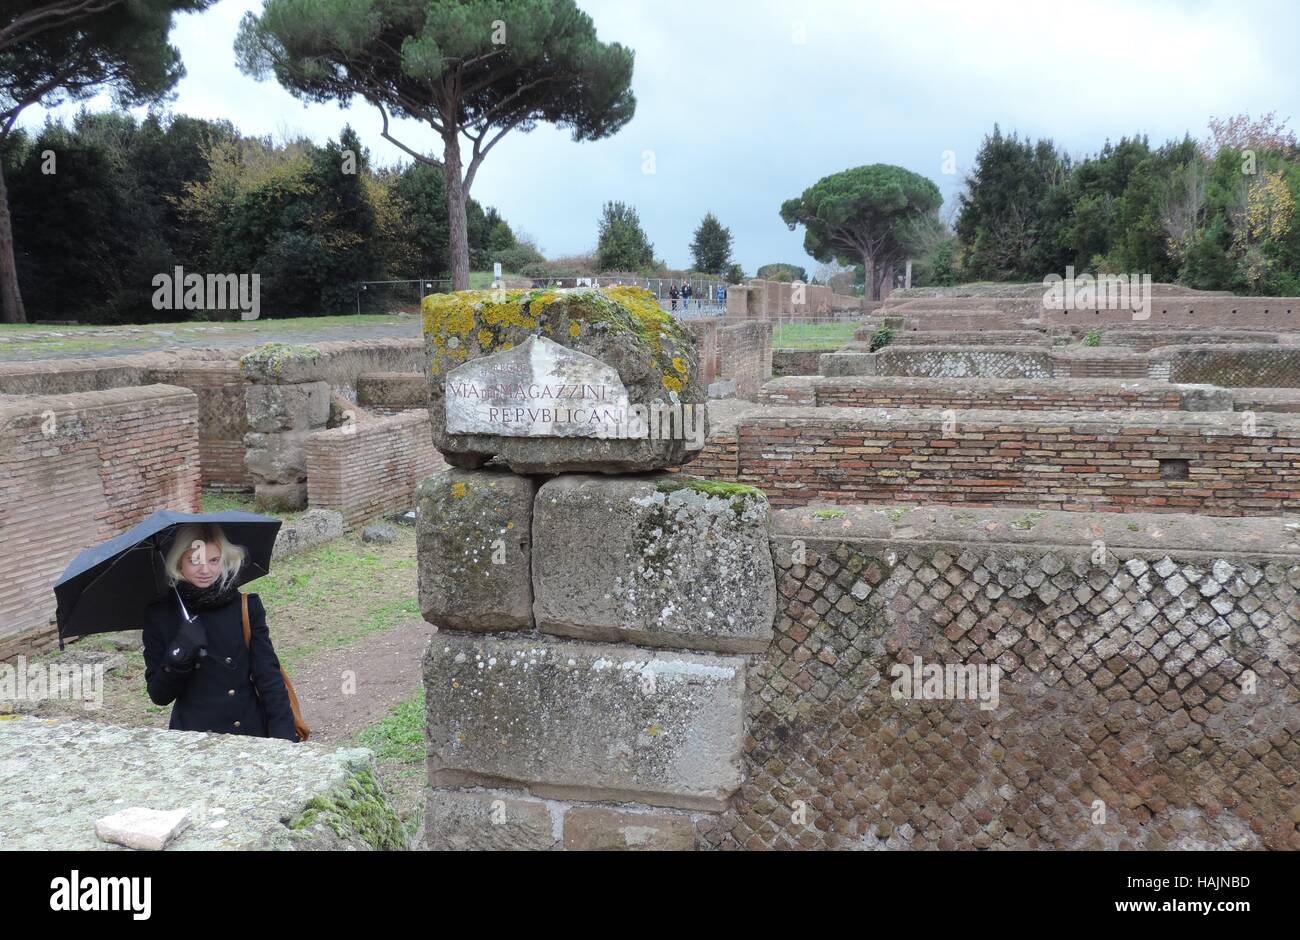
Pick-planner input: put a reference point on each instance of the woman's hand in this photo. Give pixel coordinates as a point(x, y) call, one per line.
point(189, 640)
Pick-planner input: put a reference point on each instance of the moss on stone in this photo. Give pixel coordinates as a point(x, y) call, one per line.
point(738, 494)
point(828, 513)
point(355, 810)
point(271, 357)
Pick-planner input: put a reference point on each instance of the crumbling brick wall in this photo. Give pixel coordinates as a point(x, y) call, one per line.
point(745, 356)
point(368, 469)
point(1167, 461)
point(76, 470)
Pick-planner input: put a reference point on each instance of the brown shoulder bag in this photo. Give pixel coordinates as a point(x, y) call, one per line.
point(299, 725)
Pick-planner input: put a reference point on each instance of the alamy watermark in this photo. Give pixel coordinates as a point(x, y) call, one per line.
point(656, 421)
point(947, 681)
point(181, 291)
point(21, 681)
point(1130, 292)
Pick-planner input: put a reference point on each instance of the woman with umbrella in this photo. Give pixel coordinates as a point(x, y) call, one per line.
point(194, 644)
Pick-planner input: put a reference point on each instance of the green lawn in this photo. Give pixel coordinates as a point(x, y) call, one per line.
point(829, 336)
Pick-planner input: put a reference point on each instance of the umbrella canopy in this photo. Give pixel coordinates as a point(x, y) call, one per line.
point(108, 586)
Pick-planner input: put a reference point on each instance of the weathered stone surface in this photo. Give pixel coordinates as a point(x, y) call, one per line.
point(312, 528)
point(847, 363)
point(276, 458)
point(476, 820)
point(281, 497)
point(58, 777)
point(597, 829)
point(282, 364)
point(287, 407)
point(623, 327)
point(666, 560)
point(585, 721)
point(378, 533)
point(139, 827)
point(473, 538)
point(536, 389)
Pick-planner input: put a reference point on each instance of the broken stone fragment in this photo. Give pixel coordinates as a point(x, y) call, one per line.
point(142, 828)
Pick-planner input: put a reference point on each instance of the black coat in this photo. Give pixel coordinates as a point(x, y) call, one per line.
point(216, 692)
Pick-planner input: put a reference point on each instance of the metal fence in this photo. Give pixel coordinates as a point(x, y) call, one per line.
point(401, 295)
point(405, 295)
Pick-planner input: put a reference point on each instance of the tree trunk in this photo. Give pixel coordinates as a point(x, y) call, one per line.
point(868, 279)
point(456, 217)
point(11, 301)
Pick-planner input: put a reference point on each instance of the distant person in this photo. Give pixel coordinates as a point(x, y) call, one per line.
point(673, 295)
point(686, 294)
point(722, 295)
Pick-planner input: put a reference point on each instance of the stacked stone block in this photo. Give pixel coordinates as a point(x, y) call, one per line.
point(585, 687)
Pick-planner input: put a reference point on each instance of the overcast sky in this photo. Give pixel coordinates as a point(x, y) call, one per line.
point(744, 103)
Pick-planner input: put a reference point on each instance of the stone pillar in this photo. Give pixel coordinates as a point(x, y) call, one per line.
point(284, 402)
point(591, 624)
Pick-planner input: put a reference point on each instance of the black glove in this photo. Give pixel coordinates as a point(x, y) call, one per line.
point(190, 639)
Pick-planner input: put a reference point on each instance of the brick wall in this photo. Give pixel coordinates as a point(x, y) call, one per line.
point(1153, 338)
point(913, 337)
point(76, 470)
point(373, 470)
point(1018, 394)
point(1123, 679)
point(745, 356)
point(1071, 460)
point(390, 393)
point(705, 331)
point(796, 361)
point(223, 418)
point(1268, 313)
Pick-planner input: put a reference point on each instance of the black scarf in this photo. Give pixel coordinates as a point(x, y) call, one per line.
point(208, 598)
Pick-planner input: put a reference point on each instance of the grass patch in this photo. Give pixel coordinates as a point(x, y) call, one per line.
point(828, 336)
point(398, 737)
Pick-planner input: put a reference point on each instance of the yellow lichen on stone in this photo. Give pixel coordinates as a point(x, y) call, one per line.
point(574, 329)
point(672, 383)
point(679, 365)
point(485, 339)
point(458, 490)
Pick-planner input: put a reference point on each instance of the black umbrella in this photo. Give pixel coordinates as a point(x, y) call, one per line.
point(108, 586)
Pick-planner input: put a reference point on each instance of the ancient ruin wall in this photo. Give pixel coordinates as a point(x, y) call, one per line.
point(76, 470)
point(369, 469)
point(1147, 699)
point(1157, 461)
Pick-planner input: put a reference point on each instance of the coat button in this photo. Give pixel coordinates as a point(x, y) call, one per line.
point(231, 692)
point(227, 660)
point(236, 724)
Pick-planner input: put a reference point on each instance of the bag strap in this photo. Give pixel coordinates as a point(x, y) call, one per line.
point(300, 726)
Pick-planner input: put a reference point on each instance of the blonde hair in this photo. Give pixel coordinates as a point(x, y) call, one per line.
point(232, 556)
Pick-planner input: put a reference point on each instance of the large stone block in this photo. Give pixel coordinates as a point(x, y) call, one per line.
point(667, 560)
point(276, 458)
point(473, 535)
point(57, 778)
point(477, 820)
point(847, 363)
point(584, 721)
point(287, 407)
point(565, 363)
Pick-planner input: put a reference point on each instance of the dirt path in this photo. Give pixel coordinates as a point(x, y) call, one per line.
point(384, 669)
